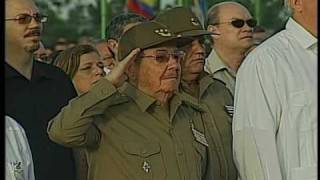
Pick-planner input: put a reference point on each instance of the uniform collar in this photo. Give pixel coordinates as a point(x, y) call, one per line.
point(142, 100)
point(216, 63)
point(189, 100)
point(305, 39)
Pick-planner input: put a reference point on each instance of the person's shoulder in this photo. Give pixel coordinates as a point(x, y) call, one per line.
point(12, 125)
point(275, 45)
point(50, 70)
point(272, 51)
point(218, 85)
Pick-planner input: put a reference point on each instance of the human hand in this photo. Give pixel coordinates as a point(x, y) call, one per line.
point(117, 76)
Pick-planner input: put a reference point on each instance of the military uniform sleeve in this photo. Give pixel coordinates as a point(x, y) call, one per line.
point(256, 119)
point(74, 126)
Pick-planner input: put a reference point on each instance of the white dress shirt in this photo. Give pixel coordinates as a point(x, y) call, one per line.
point(275, 119)
point(19, 164)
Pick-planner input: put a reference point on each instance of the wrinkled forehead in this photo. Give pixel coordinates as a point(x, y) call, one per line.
point(15, 7)
point(233, 11)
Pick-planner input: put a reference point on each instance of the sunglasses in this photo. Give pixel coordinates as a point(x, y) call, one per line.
point(239, 23)
point(27, 18)
point(163, 56)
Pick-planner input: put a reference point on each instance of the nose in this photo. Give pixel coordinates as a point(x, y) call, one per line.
point(34, 23)
point(247, 28)
point(98, 71)
point(173, 63)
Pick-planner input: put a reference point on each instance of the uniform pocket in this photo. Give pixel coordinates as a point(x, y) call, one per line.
point(304, 173)
point(147, 159)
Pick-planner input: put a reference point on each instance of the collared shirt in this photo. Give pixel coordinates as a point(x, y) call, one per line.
point(215, 66)
point(213, 97)
point(19, 164)
point(32, 103)
point(275, 121)
point(128, 135)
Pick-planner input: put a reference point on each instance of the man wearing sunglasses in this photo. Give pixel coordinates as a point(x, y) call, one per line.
point(35, 91)
point(275, 124)
point(232, 25)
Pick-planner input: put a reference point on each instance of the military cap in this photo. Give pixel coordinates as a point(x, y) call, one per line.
point(182, 22)
point(145, 35)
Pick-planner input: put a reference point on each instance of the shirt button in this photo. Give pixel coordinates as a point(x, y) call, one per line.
point(180, 153)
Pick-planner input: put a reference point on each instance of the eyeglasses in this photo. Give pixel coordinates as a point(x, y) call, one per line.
point(27, 18)
point(164, 56)
point(239, 23)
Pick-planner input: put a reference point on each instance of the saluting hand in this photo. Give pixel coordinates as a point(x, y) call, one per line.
point(117, 76)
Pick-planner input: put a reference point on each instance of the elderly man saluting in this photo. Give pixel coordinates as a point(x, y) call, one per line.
point(139, 129)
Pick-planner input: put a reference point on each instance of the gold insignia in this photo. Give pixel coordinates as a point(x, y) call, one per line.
point(163, 32)
point(194, 22)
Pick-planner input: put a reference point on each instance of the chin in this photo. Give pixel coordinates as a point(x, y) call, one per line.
point(32, 48)
point(170, 85)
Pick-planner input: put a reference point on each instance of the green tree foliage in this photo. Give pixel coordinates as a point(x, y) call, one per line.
point(84, 20)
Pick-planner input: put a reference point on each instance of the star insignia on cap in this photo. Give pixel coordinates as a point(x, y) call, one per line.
point(163, 32)
point(194, 22)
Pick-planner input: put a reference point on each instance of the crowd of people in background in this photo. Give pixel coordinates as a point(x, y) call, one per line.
point(163, 98)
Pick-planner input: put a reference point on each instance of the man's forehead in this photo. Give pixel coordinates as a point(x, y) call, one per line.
point(21, 6)
point(233, 11)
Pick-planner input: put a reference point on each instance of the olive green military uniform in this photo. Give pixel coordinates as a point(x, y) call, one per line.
point(213, 97)
point(129, 136)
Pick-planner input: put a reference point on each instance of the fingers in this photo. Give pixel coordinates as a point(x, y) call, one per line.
point(131, 57)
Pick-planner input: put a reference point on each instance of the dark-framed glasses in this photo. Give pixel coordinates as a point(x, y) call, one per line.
point(164, 55)
point(239, 23)
point(27, 18)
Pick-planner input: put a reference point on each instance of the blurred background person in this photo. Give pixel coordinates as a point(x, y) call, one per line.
point(61, 44)
point(82, 63)
point(117, 26)
point(232, 25)
point(41, 53)
point(107, 56)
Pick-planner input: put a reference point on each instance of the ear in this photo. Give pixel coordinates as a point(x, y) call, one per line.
point(113, 44)
point(131, 72)
point(215, 30)
point(296, 5)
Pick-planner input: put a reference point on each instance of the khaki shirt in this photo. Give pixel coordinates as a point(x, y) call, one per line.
point(214, 96)
point(128, 136)
point(215, 66)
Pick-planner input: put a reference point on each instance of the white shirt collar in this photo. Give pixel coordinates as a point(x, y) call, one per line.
point(302, 35)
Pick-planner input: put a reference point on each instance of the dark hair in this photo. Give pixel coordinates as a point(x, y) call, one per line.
point(69, 59)
point(116, 26)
